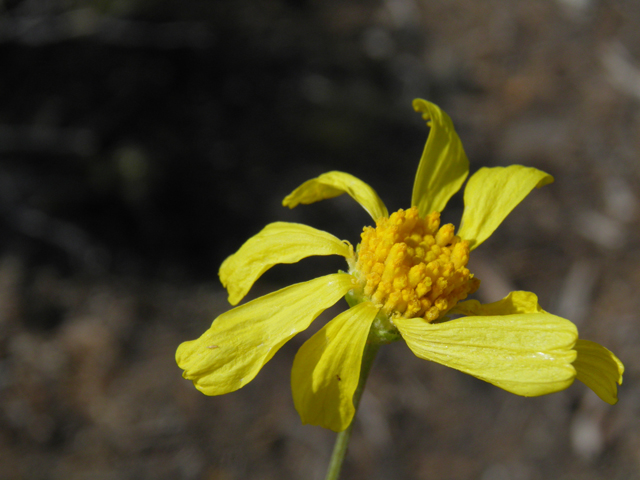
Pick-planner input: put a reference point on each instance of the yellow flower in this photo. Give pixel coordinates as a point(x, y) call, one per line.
point(405, 277)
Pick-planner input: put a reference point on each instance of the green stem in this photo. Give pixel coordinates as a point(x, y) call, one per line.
point(342, 440)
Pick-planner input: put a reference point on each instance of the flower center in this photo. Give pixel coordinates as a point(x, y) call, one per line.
point(411, 266)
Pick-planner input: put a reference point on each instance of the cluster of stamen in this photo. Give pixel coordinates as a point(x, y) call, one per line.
point(411, 266)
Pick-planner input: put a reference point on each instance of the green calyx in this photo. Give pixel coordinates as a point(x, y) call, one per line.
point(383, 330)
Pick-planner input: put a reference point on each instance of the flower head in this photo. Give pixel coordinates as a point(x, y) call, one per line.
point(412, 267)
point(405, 279)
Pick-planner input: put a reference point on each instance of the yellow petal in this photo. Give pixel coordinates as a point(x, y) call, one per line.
point(326, 369)
point(278, 242)
point(333, 184)
point(231, 353)
point(599, 369)
point(443, 166)
point(491, 194)
point(527, 354)
point(515, 302)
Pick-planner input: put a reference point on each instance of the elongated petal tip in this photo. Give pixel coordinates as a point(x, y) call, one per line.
point(239, 342)
point(515, 302)
point(546, 180)
point(599, 369)
point(333, 184)
point(277, 243)
point(491, 194)
point(423, 106)
point(443, 166)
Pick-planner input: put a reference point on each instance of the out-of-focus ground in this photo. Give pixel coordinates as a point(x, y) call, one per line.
point(142, 141)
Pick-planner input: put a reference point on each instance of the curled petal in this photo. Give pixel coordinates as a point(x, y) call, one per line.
point(278, 242)
point(491, 194)
point(443, 166)
point(527, 354)
point(515, 302)
point(599, 369)
point(326, 369)
point(239, 342)
point(333, 184)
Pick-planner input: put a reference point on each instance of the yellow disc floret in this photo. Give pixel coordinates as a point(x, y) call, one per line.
point(411, 266)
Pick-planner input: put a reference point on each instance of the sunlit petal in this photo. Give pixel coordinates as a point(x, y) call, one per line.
point(333, 184)
point(599, 369)
point(231, 353)
point(327, 368)
point(526, 354)
point(491, 194)
point(515, 302)
point(443, 166)
point(279, 242)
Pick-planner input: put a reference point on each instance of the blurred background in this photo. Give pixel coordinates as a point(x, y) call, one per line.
point(143, 141)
